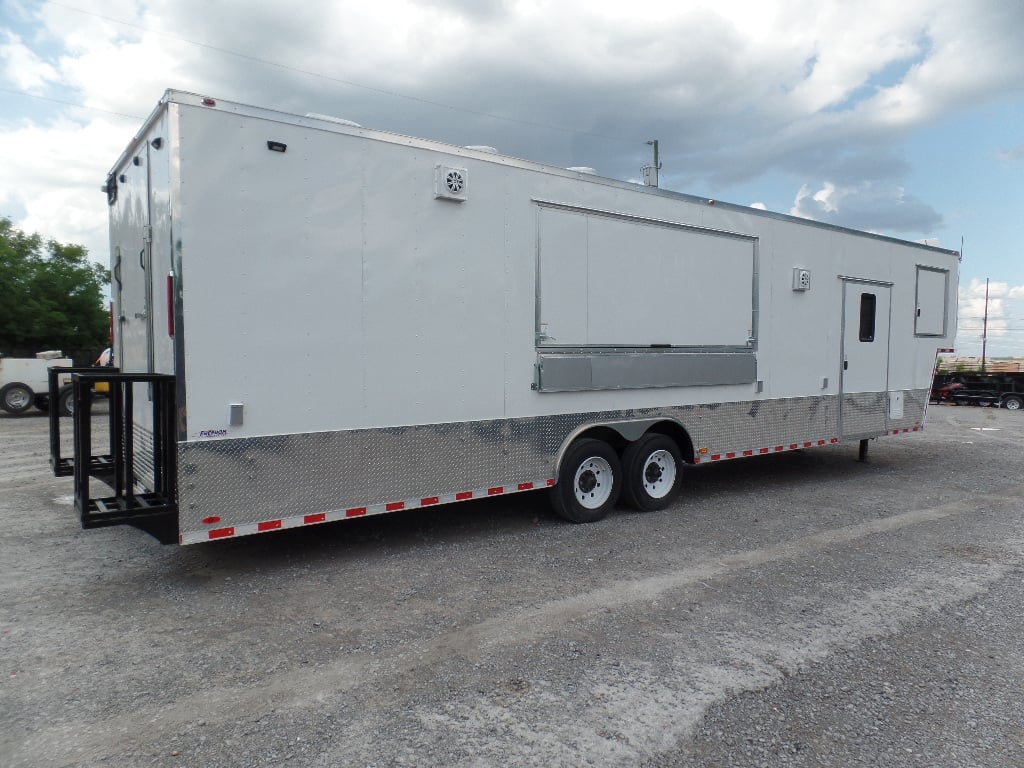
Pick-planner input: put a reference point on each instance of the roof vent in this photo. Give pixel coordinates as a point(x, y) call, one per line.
point(450, 183)
point(582, 169)
point(333, 119)
point(482, 148)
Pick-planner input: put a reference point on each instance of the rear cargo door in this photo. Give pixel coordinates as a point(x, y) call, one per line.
point(131, 240)
point(141, 256)
point(141, 253)
point(864, 375)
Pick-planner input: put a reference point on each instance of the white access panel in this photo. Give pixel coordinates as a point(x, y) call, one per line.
point(608, 280)
point(931, 293)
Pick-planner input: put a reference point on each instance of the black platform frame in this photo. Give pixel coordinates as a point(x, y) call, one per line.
point(152, 509)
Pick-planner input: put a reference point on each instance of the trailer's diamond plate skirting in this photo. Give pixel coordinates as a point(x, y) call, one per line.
point(239, 481)
point(864, 413)
point(143, 453)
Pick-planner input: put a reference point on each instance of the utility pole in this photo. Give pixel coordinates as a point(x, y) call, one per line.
point(984, 329)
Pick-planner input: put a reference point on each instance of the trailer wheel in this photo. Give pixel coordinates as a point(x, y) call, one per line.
point(1013, 402)
point(16, 397)
point(590, 482)
point(66, 403)
point(652, 467)
point(42, 402)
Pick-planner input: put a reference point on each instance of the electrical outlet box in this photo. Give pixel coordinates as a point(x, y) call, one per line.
point(801, 279)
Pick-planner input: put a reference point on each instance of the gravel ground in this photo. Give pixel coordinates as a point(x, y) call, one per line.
point(797, 609)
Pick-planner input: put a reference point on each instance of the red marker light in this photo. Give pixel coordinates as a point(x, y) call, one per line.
point(208, 102)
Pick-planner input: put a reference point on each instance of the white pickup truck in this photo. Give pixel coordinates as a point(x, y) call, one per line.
point(24, 383)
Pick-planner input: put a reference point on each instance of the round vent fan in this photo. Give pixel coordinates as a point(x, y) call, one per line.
point(450, 183)
point(454, 181)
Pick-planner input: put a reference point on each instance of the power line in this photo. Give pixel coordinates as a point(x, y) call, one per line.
point(978, 317)
point(352, 83)
point(68, 103)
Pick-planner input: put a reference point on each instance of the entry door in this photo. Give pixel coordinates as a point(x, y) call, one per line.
point(865, 358)
point(133, 267)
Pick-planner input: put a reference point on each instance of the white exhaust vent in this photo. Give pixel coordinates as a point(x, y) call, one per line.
point(450, 183)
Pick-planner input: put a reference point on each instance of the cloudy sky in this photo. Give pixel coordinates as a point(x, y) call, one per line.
point(905, 118)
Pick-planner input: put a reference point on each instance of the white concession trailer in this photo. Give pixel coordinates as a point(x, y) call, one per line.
point(315, 321)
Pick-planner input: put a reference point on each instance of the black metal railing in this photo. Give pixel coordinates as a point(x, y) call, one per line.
point(64, 466)
point(141, 466)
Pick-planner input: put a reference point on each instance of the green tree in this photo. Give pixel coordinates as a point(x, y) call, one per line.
point(51, 297)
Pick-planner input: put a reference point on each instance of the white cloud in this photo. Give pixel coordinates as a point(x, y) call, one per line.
point(1013, 153)
point(59, 171)
point(22, 66)
point(876, 206)
point(823, 91)
point(1005, 310)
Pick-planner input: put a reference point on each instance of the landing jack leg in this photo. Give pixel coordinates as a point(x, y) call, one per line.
point(862, 451)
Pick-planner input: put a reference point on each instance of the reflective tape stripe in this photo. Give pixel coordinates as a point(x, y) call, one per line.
point(195, 537)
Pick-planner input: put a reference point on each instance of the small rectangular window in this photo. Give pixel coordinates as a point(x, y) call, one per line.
point(867, 317)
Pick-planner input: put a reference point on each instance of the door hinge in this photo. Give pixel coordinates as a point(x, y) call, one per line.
point(147, 234)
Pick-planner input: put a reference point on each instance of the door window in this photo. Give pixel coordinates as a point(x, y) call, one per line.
point(868, 304)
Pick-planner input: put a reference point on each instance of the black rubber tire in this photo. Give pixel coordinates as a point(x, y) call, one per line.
point(1013, 402)
point(65, 403)
point(42, 402)
point(16, 397)
point(645, 471)
point(583, 480)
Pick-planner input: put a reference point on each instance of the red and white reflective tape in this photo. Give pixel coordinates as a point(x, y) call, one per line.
point(918, 428)
point(791, 447)
point(298, 521)
point(725, 456)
